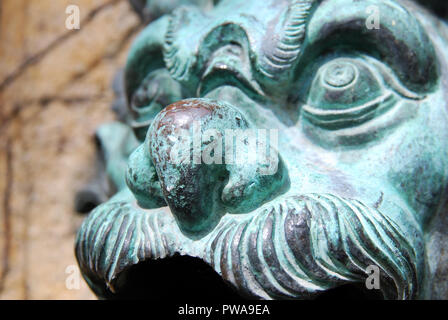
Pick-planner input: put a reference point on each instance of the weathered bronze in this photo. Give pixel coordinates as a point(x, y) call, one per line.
point(355, 150)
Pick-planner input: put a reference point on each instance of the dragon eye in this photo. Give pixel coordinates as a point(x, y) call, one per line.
point(155, 92)
point(345, 93)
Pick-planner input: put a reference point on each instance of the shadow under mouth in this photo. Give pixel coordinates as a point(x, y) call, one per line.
point(178, 277)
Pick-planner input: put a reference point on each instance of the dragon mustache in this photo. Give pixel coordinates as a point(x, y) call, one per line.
point(294, 247)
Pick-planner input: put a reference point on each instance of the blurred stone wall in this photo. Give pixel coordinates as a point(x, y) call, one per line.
point(54, 92)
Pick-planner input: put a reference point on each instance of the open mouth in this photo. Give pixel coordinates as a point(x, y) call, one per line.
point(174, 278)
point(184, 278)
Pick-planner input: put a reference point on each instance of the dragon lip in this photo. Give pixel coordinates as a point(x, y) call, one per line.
point(286, 235)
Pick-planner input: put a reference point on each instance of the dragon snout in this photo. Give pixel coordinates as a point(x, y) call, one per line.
point(206, 159)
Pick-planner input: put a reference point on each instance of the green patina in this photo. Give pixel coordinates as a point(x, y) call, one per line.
point(362, 168)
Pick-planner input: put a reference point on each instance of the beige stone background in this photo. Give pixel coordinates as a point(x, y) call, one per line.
point(54, 92)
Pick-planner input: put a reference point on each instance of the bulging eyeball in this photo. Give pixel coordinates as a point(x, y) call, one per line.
point(342, 84)
point(346, 92)
point(156, 91)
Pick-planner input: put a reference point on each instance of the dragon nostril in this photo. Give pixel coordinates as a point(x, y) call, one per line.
point(142, 180)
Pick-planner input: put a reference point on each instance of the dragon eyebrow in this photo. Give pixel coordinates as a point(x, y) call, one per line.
point(177, 66)
point(401, 42)
point(288, 48)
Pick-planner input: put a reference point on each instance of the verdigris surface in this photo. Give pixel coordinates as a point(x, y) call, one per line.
point(354, 172)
